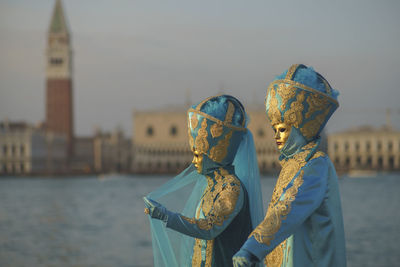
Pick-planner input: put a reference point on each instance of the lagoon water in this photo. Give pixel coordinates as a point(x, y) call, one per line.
point(99, 221)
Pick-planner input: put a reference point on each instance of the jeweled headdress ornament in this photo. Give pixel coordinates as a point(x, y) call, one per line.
point(216, 127)
point(302, 98)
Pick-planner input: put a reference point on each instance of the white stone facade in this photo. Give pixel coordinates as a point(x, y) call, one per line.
point(25, 149)
point(365, 148)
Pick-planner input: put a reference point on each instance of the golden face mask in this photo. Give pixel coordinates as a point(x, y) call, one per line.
point(198, 160)
point(282, 132)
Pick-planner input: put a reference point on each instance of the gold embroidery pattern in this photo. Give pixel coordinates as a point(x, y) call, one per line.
point(279, 209)
point(218, 203)
point(306, 88)
point(216, 130)
point(264, 233)
point(219, 200)
point(201, 142)
point(229, 113)
point(291, 71)
point(196, 258)
point(311, 128)
point(273, 112)
point(194, 122)
point(294, 115)
point(190, 220)
point(220, 150)
point(211, 118)
point(286, 92)
point(209, 253)
point(315, 103)
point(191, 141)
point(275, 257)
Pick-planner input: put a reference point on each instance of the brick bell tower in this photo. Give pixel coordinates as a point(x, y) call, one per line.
point(59, 100)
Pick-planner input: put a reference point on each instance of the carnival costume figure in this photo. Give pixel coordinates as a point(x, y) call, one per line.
point(303, 225)
point(218, 197)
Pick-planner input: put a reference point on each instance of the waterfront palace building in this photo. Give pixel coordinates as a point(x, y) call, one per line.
point(366, 148)
point(160, 144)
point(160, 141)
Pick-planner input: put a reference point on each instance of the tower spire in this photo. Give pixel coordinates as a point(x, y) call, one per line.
point(58, 22)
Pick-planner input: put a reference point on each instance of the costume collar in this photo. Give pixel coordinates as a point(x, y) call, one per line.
point(296, 144)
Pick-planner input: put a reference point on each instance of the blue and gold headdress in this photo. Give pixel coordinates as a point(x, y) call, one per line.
point(302, 98)
point(216, 127)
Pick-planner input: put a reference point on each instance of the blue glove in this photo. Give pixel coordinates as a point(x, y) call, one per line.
point(243, 258)
point(155, 209)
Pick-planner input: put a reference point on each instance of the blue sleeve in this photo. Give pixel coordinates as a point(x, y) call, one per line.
point(226, 206)
point(302, 197)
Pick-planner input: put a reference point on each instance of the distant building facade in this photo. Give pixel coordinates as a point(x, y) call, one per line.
point(112, 152)
point(25, 149)
point(160, 141)
point(267, 151)
point(82, 161)
point(365, 148)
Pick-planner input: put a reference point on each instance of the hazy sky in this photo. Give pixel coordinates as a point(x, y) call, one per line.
point(148, 54)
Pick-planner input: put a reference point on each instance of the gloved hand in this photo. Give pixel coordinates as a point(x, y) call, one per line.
point(155, 209)
point(243, 258)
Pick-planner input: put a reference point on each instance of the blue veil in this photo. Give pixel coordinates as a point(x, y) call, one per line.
point(183, 193)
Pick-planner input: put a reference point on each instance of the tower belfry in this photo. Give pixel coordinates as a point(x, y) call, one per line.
point(59, 98)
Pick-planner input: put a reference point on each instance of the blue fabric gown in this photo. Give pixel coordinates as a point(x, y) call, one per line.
point(304, 224)
point(222, 221)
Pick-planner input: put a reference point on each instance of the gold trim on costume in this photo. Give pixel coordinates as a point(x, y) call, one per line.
point(204, 101)
point(294, 115)
point(237, 128)
point(220, 150)
point(315, 103)
point(278, 209)
point(201, 142)
point(229, 113)
point(311, 128)
point(194, 121)
point(273, 112)
point(306, 88)
point(286, 92)
point(218, 202)
point(191, 141)
point(275, 257)
point(216, 130)
point(291, 71)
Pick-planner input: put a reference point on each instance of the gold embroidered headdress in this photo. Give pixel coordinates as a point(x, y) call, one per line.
point(301, 98)
point(216, 126)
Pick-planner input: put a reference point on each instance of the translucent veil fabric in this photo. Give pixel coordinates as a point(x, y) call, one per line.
point(182, 194)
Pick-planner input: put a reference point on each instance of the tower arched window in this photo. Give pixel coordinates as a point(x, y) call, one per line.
point(56, 61)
